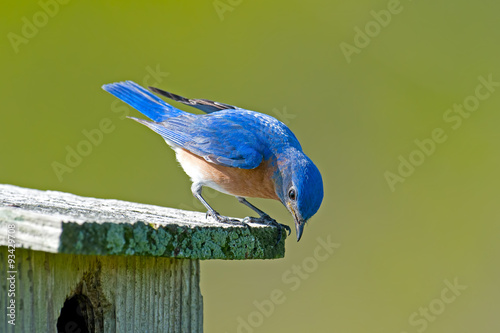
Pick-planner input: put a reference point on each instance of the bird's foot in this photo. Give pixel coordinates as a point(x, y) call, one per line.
point(268, 220)
point(224, 219)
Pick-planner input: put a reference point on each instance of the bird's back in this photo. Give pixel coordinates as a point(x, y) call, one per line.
point(271, 132)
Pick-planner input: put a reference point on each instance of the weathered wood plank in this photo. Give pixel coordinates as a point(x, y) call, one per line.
point(110, 265)
point(59, 222)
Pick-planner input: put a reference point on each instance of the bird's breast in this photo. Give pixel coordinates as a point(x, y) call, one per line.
point(254, 183)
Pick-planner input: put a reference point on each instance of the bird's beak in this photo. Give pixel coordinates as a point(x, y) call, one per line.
point(299, 222)
point(299, 227)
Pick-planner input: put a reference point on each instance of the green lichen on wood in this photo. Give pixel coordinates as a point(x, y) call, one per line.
point(171, 241)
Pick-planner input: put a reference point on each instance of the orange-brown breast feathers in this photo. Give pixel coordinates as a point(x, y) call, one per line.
point(255, 183)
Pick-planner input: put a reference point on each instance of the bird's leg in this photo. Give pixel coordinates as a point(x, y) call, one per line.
point(196, 189)
point(263, 218)
point(252, 207)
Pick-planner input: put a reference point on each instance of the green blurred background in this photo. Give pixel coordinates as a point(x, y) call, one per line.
point(354, 119)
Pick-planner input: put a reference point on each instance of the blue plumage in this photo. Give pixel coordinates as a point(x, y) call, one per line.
point(232, 137)
point(136, 96)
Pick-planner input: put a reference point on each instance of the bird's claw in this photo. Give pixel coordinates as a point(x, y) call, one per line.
point(224, 219)
point(268, 220)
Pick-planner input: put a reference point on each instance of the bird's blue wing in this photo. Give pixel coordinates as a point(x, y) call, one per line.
point(237, 138)
point(148, 104)
point(224, 142)
point(217, 139)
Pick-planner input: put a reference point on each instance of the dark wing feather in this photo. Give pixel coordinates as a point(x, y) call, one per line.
point(204, 105)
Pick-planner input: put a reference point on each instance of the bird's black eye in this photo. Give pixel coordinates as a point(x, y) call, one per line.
point(292, 194)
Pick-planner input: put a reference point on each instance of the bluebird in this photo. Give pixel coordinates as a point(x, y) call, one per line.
point(235, 151)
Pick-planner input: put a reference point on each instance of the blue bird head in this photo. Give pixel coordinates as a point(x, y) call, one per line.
point(299, 187)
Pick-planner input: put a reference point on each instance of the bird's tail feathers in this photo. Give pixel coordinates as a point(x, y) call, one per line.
point(139, 98)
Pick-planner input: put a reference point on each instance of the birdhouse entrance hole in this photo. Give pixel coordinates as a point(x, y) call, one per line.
point(77, 316)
